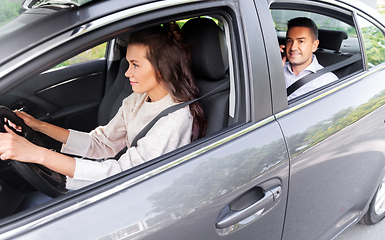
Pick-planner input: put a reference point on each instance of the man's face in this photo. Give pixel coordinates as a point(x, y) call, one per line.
point(300, 45)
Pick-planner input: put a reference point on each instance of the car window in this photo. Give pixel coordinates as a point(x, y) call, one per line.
point(70, 97)
point(281, 17)
point(374, 42)
point(88, 55)
point(338, 42)
point(9, 10)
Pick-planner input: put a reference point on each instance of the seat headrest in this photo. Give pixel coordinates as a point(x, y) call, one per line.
point(331, 39)
point(208, 48)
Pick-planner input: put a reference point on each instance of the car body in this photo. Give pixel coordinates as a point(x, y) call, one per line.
point(304, 169)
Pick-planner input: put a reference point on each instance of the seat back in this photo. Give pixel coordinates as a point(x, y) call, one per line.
point(328, 52)
point(112, 100)
point(209, 65)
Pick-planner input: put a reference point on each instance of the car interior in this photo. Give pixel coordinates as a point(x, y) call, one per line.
point(204, 37)
point(337, 38)
point(328, 52)
point(57, 103)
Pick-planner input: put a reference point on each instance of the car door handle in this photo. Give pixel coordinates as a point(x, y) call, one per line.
point(231, 216)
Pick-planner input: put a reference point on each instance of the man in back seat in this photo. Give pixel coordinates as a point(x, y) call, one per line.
point(298, 58)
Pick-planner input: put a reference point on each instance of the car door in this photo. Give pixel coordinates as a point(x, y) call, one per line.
point(231, 184)
point(67, 95)
point(335, 139)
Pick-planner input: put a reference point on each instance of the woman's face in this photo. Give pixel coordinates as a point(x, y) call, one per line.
point(141, 73)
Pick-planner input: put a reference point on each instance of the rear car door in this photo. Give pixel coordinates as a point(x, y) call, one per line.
point(334, 135)
point(232, 184)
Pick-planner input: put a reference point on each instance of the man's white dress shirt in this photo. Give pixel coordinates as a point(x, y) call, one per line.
point(291, 78)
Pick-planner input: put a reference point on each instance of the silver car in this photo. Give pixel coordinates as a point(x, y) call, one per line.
point(268, 168)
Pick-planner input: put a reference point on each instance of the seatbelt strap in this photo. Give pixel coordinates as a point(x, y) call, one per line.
point(168, 110)
point(223, 87)
point(308, 78)
point(173, 108)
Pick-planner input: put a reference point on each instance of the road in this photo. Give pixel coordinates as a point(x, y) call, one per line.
point(363, 232)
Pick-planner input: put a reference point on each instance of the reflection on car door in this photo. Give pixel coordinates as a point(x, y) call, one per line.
point(184, 198)
point(336, 144)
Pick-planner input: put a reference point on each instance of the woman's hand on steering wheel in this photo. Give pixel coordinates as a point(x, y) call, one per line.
point(15, 147)
point(27, 148)
point(28, 120)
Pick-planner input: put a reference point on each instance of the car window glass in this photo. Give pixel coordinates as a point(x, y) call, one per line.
point(374, 42)
point(88, 55)
point(10, 10)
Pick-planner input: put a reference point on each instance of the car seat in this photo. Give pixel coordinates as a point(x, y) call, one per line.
point(209, 65)
point(112, 100)
point(328, 51)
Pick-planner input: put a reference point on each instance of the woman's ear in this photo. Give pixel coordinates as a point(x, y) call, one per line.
point(158, 76)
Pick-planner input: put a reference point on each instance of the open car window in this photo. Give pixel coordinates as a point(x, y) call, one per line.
point(338, 49)
point(70, 93)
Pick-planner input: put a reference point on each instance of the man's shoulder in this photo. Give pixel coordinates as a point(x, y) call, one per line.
point(326, 78)
point(329, 76)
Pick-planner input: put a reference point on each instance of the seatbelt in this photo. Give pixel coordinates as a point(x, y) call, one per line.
point(308, 78)
point(169, 110)
point(173, 108)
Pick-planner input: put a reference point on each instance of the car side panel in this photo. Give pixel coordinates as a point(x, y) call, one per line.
point(185, 201)
point(336, 144)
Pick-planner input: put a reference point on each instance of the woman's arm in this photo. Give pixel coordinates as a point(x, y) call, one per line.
point(12, 146)
point(167, 134)
point(55, 132)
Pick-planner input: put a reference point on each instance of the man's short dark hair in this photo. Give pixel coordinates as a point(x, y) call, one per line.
point(304, 22)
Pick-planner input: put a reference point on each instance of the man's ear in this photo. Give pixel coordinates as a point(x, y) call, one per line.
point(315, 45)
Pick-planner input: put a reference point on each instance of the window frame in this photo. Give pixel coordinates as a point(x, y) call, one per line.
point(340, 12)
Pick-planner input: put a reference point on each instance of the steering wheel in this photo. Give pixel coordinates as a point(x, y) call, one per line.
point(43, 179)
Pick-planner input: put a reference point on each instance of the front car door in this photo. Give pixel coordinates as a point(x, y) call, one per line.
point(233, 184)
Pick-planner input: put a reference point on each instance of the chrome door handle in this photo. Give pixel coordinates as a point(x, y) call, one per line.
point(252, 212)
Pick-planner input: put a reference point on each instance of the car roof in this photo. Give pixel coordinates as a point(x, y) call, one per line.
point(37, 25)
point(28, 4)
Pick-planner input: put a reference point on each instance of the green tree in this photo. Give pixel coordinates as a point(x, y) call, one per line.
point(9, 10)
point(374, 44)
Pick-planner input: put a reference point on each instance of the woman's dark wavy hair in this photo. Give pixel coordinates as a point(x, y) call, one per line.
point(170, 59)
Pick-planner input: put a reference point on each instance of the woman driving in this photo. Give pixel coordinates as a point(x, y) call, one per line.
point(160, 76)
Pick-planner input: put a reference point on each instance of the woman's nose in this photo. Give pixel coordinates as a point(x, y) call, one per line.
point(128, 72)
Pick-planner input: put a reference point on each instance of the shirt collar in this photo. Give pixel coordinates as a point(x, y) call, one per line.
point(313, 67)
